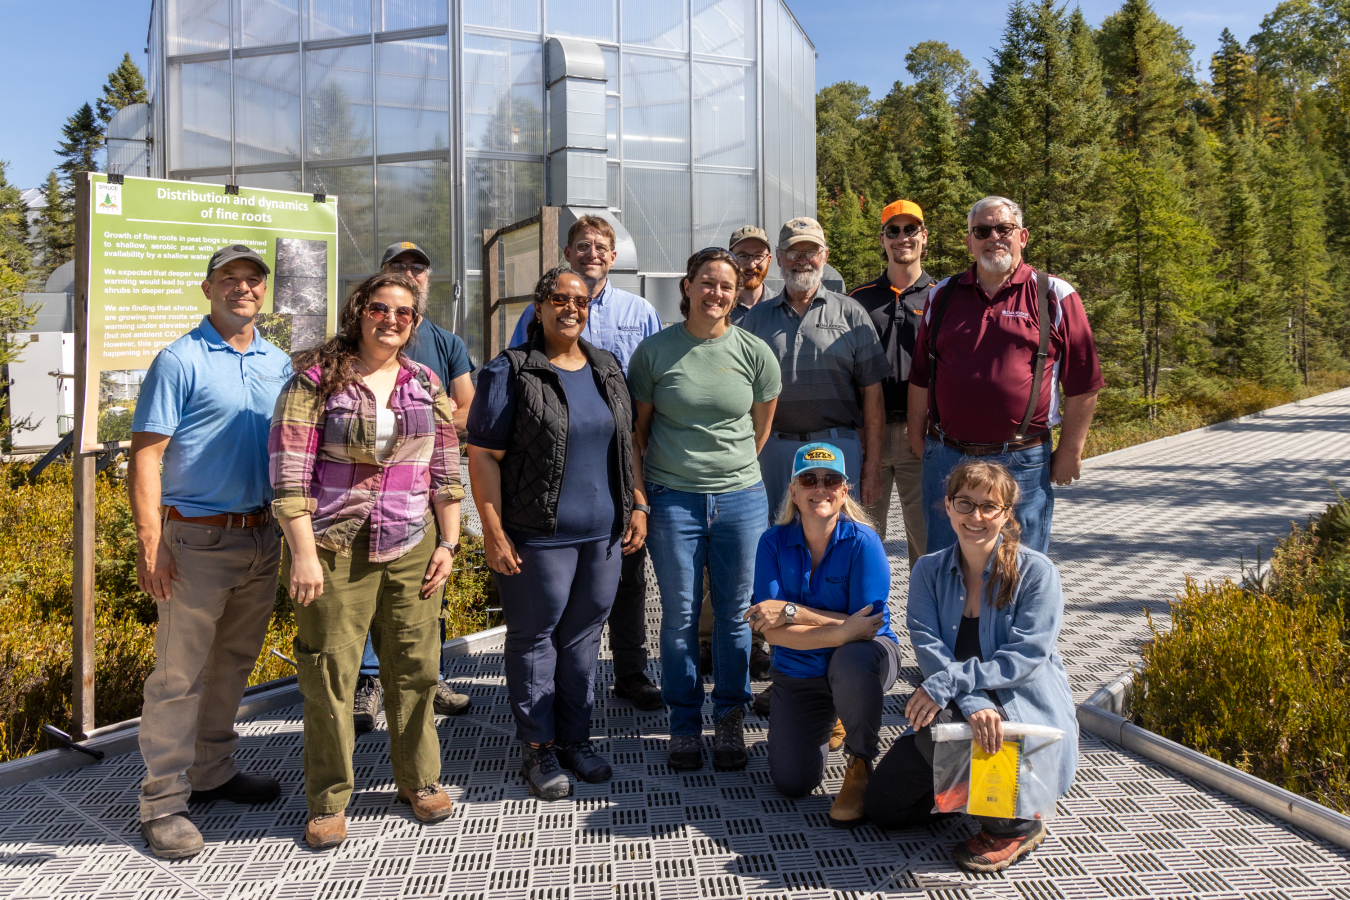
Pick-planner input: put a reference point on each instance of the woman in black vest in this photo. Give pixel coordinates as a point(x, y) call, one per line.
point(558, 486)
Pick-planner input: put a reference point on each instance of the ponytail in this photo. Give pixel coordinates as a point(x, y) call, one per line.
point(999, 482)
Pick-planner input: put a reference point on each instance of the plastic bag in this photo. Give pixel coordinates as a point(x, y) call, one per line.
point(1017, 782)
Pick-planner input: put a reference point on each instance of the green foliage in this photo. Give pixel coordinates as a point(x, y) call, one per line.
point(125, 86)
point(83, 138)
point(55, 244)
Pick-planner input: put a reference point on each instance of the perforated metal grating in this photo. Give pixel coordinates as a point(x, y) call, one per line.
point(1129, 829)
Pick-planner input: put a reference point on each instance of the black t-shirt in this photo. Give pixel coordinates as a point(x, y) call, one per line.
point(968, 647)
point(895, 315)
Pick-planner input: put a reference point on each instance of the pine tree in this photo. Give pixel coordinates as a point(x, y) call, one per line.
point(1232, 69)
point(16, 254)
point(939, 183)
point(125, 86)
point(79, 151)
point(55, 243)
point(1148, 76)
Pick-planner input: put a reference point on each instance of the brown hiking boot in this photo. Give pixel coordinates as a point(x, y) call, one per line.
point(837, 735)
point(986, 853)
point(429, 803)
point(325, 830)
point(847, 811)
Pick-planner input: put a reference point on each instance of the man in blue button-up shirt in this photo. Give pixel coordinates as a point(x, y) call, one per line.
point(618, 322)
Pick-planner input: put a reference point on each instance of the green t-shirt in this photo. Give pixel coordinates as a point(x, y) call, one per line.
point(702, 440)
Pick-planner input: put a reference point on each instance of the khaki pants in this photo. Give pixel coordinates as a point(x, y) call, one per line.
point(360, 596)
point(206, 645)
point(901, 468)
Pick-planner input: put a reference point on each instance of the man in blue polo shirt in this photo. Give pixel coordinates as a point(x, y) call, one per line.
point(618, 322)
point(207, 547)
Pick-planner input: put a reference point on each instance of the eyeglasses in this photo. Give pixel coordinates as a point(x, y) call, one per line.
point(377, 311)
point(230, 282)
point(829, 481)
point(908, 230)
point(753, 259)
point(965, 506)
point(800, 256)
point(585, 248)
point(562, 301)
point(982, 232)
point(410, 268)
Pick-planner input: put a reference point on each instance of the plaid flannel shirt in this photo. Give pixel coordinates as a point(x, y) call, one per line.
point(322, 461)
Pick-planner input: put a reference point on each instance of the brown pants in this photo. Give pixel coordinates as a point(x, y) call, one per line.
point(901, 468)
point(206, 645)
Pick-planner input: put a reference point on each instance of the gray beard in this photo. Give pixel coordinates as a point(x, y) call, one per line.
point(803, 282)
point(998, 265)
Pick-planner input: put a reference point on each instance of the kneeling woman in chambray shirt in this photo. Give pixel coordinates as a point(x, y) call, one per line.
point(822, 579)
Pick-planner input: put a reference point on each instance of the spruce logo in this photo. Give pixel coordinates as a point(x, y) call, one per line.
point(820, 455)
point(108, 199)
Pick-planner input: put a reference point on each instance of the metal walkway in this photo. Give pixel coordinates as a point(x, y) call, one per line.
point(1124, 536)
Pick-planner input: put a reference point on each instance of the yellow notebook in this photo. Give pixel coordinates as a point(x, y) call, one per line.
point(993, 781)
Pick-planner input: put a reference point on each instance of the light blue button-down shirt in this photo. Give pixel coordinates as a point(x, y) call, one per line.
point(618, 322)
point(1018, 650)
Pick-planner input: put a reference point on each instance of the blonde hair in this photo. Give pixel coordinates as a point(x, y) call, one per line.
point(998, 481)
point(787, 512)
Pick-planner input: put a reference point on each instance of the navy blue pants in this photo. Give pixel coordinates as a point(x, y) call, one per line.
point(555, 609)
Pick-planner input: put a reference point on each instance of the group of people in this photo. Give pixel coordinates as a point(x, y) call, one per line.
point(750, 451)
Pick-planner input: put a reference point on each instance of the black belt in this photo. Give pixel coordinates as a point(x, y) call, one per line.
point(806, 437)
point(969, 449)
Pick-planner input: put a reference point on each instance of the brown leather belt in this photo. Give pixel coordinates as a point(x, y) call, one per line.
point(226, 520)
point(1034, 440)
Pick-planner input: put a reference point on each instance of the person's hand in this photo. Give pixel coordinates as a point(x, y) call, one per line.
point(871, 485)
point(306, 579)
point(921, 710)
point(916, 444)
point(987, 725)
point(862, 627)
point(438, 570)
point(637, 533)
point(1065, 467)
point(766, 614)
point(501, 554)
point(156, 572)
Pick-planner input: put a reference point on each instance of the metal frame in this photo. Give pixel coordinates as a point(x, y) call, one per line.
point(493, 303)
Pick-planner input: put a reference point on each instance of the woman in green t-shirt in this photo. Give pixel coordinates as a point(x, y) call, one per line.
point(705, 392)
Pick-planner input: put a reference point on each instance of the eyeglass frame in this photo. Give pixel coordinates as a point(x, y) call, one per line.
point(909, 229)
point(823, 480)
point(800, 256)
point(998, 508)
point(581, 305)
point(994, 229)
point(585, 247)
point(378, 315)
point(410, 268)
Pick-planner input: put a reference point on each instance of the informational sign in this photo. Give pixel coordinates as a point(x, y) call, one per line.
point(149, 242)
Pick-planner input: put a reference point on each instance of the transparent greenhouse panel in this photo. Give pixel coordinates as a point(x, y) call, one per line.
point(337, 18)
point(613, 187)
point(198, 26)
point(271, 181)
point(724, 115)
point(723, 202)
point(391, 15)
point(514, 15)
point(354, 187)
point(262, 22)
point(653, 23)
point(338, 103)
point(725, 27)
point(655, 108)
point(267, 109)
point(471, 317)
point(411, 84)
point(503, 95)
point(580, 18)
point(200, 95)
point(414, 203)
point(656, 212)
point(499, 192)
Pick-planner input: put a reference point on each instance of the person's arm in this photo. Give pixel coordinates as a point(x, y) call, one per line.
point(292, 448)
point(461, 391)
point(874, 425)
point(916, 418)
point(861, 626)
point(447, 489)
point(155, 570)
point(1066, 464)
point(761, 415)
point(485, 474)
point(642, 428)
point(767, 614)
point(306, 582)
point(636, 535)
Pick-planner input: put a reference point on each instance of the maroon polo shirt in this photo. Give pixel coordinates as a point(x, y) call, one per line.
point(985, 350)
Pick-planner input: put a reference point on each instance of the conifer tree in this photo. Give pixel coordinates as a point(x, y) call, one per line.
point(1232, 69)
point(83, 138)
point(55, 242)
point(125, 86)
point(1148, 76)
point(939, 183)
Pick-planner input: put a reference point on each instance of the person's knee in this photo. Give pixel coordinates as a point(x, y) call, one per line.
point(794, 779)
point(855, 667)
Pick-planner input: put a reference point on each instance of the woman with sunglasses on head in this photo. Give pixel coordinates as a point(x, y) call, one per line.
point(705, 393)
point(984, 616)
point(822, 580)
point(363, 457)
point(558, 485)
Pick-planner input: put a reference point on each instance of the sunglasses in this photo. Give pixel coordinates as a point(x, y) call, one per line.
point(965, 506)
point(908, 230)
point(377, 311)
point(410, 268)
point(561, 301)
point(829, 481)
point(982, 232)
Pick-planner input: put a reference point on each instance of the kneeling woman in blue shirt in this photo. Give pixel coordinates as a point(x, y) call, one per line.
point(984, 616)
point(821, 582)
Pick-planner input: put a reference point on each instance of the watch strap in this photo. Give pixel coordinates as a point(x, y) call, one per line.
point(453, 548)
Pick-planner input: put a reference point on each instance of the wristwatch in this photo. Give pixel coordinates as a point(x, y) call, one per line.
point(790, 611)
point(642, 508)
point(453, 548)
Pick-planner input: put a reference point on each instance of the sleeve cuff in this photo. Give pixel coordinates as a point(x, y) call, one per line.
point(973, 703)
point(488, 444)
point(452, 491)
point(294, 507)
point(154, 428)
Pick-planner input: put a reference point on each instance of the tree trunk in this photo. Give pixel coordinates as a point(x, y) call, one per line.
point(1139, 292)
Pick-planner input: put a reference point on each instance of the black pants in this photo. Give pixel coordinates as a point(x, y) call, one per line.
point(900, 791)
point(628, 617)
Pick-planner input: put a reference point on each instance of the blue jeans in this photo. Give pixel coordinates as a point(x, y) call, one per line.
point(1029, 467)
point(686, 531)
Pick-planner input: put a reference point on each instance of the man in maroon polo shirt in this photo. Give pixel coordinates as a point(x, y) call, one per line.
point(971, 385)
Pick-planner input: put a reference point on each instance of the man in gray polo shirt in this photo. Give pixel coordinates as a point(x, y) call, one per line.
point(832, 363)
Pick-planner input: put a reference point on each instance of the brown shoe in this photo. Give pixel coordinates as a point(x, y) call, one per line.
point(429, 803)
point(837, 735)
point(847, 811)
point(986, 853)
point(324, 831)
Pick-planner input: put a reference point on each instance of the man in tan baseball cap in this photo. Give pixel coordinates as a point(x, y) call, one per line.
point(750, 245)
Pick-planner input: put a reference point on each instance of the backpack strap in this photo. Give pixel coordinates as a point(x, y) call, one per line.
point(939, 304)
point(1038, 366)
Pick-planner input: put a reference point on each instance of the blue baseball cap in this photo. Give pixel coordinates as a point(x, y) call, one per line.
point(818, 456)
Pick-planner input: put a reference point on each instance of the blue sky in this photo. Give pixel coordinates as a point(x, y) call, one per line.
point(60, 51)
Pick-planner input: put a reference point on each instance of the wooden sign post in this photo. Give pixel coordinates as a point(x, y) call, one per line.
point(82, 582)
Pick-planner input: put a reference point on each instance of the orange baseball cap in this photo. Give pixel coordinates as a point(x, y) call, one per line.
point(901, 208)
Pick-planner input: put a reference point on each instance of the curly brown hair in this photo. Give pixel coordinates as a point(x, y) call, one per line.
point(337, 358)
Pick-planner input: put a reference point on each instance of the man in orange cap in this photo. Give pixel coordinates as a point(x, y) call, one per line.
point(895, 303)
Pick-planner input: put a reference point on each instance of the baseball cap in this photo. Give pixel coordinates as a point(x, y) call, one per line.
point(802, 228)
point(404, 247)
point(901, 208)
point(818, 456)
point(746, 233)
point(232, 252)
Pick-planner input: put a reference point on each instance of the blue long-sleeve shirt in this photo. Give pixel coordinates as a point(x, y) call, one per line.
point(617, 321)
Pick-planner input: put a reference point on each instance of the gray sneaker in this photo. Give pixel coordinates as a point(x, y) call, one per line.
point(446, 702)
point(172, 837)
point(368, 702)
point(543, 774)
